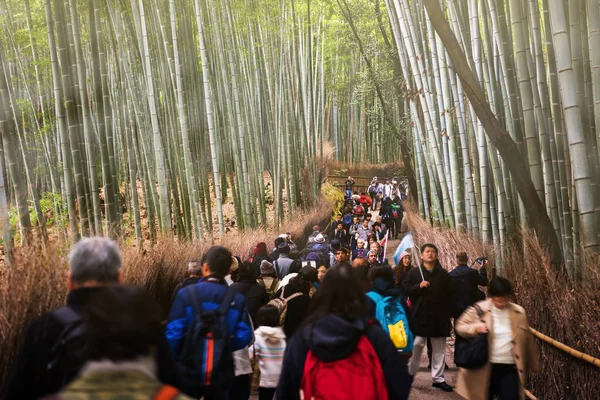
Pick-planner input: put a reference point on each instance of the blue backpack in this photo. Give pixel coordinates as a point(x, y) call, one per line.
point(206, 358)
point(392, 317)
point(347, 220)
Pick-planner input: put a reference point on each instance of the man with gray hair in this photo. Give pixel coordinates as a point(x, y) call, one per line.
point(194, 270)
point(54, 347)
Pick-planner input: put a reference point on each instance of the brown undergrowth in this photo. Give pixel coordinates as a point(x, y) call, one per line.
point(37, 284)
point(566, 311)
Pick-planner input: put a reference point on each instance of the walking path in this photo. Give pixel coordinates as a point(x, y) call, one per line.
point(422, 388)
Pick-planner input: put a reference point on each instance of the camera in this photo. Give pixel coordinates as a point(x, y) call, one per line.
point(481, 260)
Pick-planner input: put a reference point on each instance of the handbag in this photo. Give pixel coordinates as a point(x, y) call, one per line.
point(472, 353)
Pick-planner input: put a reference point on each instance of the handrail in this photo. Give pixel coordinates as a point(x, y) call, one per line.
point(530, 395)
point(569, 350)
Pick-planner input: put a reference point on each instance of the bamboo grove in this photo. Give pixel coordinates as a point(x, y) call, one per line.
point(493, 86)
point(161, 109)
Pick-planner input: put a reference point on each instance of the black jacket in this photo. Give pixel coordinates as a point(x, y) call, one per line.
point(30, 380)
point(433, 305)
point(334, 338)
point(187, 281)
point(255, 294)
point(466, 283)
point(297, 310)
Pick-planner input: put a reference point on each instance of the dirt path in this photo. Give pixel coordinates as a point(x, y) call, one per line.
point(422, 388)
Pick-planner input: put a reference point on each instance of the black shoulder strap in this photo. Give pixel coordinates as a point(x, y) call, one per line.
point(66, 316)
point(194, 300)
point(227, 301)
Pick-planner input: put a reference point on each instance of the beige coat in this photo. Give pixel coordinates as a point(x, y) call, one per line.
point(474, 384)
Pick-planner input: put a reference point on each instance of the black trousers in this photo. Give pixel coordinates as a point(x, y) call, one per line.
point(504, 382)
point(240, 388)
point(266, 393)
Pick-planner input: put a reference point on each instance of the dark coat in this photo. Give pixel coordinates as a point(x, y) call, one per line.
point(333, 338)
point(255, 294)
point(297, 310)
point(342, 236)
point(466, 290)
point(433, 305)
point(187, 281)
point(30, 380)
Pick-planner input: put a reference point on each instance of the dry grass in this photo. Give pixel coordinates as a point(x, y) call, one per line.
point(562, 310)
point(38, 283)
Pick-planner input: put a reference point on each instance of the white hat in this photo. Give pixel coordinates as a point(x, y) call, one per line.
point(320, 238)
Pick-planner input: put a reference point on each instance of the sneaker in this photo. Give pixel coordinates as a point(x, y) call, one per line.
point(444, 386)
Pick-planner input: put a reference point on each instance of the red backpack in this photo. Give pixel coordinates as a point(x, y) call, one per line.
point(358, 376)
point(359, 210)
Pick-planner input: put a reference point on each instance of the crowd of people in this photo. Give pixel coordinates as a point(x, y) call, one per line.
point(331, 319)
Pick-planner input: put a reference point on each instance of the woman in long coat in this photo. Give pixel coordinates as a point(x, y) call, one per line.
point(511, 346)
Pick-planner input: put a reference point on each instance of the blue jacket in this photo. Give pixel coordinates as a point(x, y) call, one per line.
point(210, 293)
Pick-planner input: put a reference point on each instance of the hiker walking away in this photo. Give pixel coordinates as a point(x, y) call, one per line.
point(386, 212)
point(268, 278)
point(365, 201)
point(255, 294)
point(466, 282)
point(397, 215)
point(316, 231)
point(194, 270)
point(274, 255)
point(349, 184)
point(362, 267)
point(207, 323)
point(430, 290)
point(294, 270)
point(512, 351)
point(268, 351)
point(339, 352)
point(123, 330)
point(388, 306)
point(49, 359)
point(296, 297)
point(259, 254)
point(373, 190)
point(283, 262)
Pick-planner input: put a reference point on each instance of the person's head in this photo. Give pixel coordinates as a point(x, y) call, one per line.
point(365, 223)
point(246, 271)
point(360, 262)
point(500, 290)
point(374, 179)
point(217, 261)
point(340, 227)
point(122, 324)
point(387, 182)
point(194, 268)
point(355, 220)
point(321, 271)
point(295, 266)
point(309, 274)
point(377, 226)
point(342, 255)
point(462, 258)
point(340, 294)
point(368, 216)
point(94, 262)
point(360, 243)
point(371, 239)
point(278, 241)
point(317, 228)
point(268, 315)
point(349, 178)
point(379, 219)
point(429, 253)
point(339, 218)
point(374, 246)
point(381, 272)
point(283, 248)
point(405, 259)
point(267, 268)
point(372, 257)
point(261, 249)
point(295, 255)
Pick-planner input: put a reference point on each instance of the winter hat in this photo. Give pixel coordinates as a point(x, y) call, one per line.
point(320, 238)
point(283, 248)
point(335, 244)
point(261, 248)
point(403, 254)
point(308, 273)
point(266, 267)
point(284, 236)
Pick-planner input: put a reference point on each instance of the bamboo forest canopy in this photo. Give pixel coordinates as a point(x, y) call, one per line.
point(162, 109)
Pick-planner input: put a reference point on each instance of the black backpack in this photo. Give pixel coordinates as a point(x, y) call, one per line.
point(67, 356)
point(464, 293)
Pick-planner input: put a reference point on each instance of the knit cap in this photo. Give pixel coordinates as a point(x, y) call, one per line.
point(266, 267)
